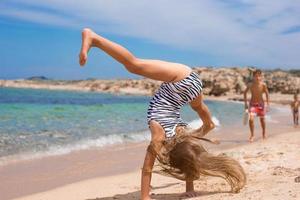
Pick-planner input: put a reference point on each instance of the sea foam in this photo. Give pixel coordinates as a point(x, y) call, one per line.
point(55, 150)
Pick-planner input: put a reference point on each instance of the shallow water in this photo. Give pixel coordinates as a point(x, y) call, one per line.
point(42, 121)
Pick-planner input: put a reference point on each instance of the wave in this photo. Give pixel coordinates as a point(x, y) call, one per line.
point(85, 144)
point(81, 145)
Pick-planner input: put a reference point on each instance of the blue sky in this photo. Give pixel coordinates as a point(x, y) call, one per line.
point(43, 37)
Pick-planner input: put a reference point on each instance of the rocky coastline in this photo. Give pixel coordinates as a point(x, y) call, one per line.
point(218, 82)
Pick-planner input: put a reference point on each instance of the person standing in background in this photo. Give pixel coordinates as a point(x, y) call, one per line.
point(256, 106)
point(295, 109)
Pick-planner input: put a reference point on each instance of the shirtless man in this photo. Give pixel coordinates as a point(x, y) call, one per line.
point(257, 104)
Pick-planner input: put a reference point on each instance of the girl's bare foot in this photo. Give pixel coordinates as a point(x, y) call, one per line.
point(87, 35)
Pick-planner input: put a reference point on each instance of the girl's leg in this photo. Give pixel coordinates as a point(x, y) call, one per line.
point(154, 69)
point(157, 135)
point(202, 110)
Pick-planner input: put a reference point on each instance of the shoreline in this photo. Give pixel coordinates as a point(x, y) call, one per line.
point(219, 83)
point(276, 98)
point(42, 174)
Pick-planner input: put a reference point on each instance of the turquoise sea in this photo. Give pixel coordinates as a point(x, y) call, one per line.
point(54, 122)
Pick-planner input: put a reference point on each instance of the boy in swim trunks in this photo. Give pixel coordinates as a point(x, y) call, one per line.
point(295, 109)
point(180, 86)
point(257, 104)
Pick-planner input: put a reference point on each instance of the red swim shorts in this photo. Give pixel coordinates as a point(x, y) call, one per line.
point(257, 109)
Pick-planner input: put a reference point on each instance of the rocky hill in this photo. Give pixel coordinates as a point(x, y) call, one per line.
point(220, 81)
point(217, 82)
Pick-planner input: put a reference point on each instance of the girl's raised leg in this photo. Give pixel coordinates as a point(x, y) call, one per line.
point(154, 69)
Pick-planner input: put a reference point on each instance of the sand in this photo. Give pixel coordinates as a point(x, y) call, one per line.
point(271, 167)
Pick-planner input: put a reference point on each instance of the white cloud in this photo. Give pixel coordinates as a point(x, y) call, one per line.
point(246, 31)
point(38, 17)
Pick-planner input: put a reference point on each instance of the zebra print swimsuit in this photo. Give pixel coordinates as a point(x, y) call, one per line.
point(170, 97)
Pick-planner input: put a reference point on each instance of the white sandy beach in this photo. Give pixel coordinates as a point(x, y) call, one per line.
point(271, 167)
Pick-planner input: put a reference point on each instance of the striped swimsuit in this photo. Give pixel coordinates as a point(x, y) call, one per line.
point(170, 97)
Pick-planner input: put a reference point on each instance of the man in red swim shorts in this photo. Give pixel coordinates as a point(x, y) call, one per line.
point(257, 104)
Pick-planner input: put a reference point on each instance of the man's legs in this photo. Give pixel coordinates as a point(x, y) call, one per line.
point(296, 118)
point(154, 69)
point(263, 126)
point(251, 126)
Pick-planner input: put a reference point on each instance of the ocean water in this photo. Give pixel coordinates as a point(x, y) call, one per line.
point(46, 122)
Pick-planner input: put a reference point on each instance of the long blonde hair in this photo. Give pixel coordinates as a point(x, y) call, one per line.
point(184, 158)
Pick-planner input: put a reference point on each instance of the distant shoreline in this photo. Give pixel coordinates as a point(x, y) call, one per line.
point(219, 84)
